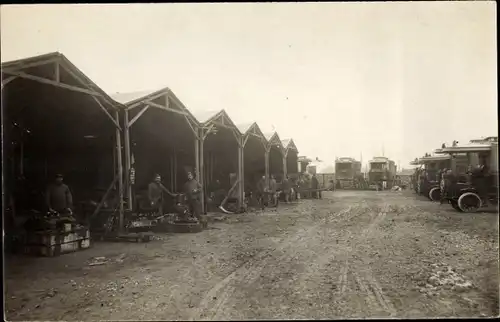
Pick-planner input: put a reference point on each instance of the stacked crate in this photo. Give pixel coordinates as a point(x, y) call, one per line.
point(70, 238)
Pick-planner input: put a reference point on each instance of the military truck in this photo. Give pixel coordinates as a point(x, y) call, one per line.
point(381, 169)
point(347, 173)
point(481, 186)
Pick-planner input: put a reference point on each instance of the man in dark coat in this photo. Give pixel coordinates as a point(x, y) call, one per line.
point(192, 189)
point(286, 187)
point(58, 197)
point(155, 194)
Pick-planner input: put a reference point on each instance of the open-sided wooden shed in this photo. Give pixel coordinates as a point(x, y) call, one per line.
point(58, 120)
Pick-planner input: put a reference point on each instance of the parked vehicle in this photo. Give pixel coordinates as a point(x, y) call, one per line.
point(381, 169)
point(481, 186)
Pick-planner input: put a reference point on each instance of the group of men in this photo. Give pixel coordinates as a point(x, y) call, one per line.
point(186, 204)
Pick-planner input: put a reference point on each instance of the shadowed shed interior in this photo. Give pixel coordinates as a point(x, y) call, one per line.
point(50, 130)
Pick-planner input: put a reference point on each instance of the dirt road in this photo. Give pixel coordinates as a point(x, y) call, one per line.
point(351, 254)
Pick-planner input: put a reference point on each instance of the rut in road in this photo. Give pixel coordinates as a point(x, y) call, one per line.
point(213, 303)
point(361, 273)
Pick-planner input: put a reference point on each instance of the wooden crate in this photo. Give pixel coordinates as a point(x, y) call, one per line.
point(55, 243)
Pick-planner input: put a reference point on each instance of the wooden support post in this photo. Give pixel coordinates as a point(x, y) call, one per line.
point(284, 165)
point(120, 173)
point(201, 169)
point(240, 175)
point(175, 169)
point(171, 171)
point(266, 161)
point(128, 165)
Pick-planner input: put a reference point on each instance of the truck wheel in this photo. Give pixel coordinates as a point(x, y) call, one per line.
point(469, 202)
point(435, 194)
point(455, 206)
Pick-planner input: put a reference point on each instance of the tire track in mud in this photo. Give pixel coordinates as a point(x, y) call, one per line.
point(370, 287)
point(213, 302)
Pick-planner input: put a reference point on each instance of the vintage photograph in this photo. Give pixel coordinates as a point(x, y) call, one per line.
point(250, 161)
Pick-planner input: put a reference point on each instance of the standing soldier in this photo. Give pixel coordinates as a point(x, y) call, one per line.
point(58, 197)
point(155, 194)
point(272, 190)
point(192, 188)
point(287, 188)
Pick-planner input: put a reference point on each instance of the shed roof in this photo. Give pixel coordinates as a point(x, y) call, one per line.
point(289, 144)
point(163, 98)
point(204, 116)
point(274, 139)
point(57, 70)
point(470, 147)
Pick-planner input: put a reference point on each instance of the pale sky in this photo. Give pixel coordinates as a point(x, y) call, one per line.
point(341, 79)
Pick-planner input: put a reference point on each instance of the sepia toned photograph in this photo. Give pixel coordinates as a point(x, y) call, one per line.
point(250, 161)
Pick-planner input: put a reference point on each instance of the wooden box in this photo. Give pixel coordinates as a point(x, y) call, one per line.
point(52, 243)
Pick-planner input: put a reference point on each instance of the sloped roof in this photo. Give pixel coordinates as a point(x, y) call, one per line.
point(20, 65)
point(133, 98)
point(379, 159)
point(289, 144)
point(469, 147)
point(269, 135)
point(204, 116)
point(244, 128)
point(130, 97)
point(345, 160)
point(433, 158)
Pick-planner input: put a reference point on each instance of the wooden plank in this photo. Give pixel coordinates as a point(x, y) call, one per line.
point(54, 83)
point(117, 123)
point(128, 166)
point(266, 160)
point(33, 64)
point(120, 174)
point(138, 115)
point(101, 203)
point(8, 80)
point(201, 165)
point(165, 108)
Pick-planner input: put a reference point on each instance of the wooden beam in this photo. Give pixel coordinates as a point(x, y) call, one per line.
point(201, 165)
point(153, 104)
point(245, 140)
point(120, 174)
point(101, 203)
point(34, 64)
point(68, 70)
point(8, 80)
point(195, 132)
point(237, 136)
point(128, 166)
point(51, 82)
point(117, 123)
point(284, 167)
point(138, 115)
point(266, 161)
point(241, 151)
point(207, 131)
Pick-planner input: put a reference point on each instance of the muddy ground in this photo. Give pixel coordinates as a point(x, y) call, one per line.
point(349, 255)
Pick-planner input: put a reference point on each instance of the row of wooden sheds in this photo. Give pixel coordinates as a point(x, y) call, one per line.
point(155, 129)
